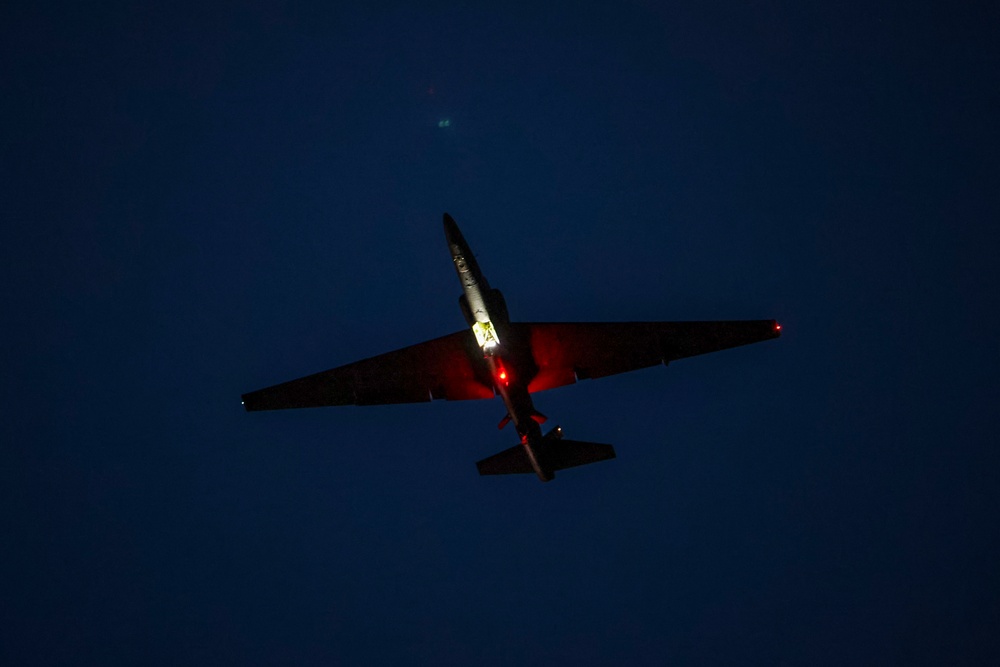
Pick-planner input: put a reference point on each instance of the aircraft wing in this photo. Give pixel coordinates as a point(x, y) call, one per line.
point(441, 368)
point(567, 351)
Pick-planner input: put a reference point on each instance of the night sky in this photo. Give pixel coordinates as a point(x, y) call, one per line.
point(202, 200)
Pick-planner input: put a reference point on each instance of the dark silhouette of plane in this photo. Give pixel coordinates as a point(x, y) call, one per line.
point(513, 359)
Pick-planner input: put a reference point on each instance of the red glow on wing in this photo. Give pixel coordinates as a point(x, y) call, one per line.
point(777, 327)
point(503, 375)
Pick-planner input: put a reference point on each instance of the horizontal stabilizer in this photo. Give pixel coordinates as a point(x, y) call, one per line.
point(554, 455)
point(562, 454)
point(511, 461)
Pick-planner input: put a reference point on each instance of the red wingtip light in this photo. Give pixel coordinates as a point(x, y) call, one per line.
point(777, 327)
point(503, 375)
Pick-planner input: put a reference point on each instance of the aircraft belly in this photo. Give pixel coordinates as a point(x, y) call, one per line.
point(477, 305)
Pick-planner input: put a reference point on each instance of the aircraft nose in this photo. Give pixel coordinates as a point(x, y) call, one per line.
point(452, 232)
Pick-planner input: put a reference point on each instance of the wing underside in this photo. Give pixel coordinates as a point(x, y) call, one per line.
point(443, 368)
point(567, 351)
point(451, 367)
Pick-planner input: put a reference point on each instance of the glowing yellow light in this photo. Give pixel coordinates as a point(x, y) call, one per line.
point(486, 335)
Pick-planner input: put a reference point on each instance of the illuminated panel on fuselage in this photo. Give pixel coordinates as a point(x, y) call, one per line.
point(486, 335)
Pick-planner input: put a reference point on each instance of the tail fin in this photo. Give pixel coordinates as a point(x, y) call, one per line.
point(555, 454)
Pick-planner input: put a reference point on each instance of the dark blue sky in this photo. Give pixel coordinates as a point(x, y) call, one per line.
point(202, 200)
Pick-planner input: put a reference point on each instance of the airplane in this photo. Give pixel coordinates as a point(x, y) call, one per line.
point(495, 356)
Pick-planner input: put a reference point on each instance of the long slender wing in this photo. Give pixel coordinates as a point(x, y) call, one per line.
point(567, 351)
point(445, 367)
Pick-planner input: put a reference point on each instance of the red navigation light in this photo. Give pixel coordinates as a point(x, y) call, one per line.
point(503, 375)
point(777, 327)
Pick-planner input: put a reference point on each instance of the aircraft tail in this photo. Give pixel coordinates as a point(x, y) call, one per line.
point(554, 454)
point(573, 453)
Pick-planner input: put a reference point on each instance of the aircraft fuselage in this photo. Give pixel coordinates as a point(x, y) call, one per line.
point(485, 311)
